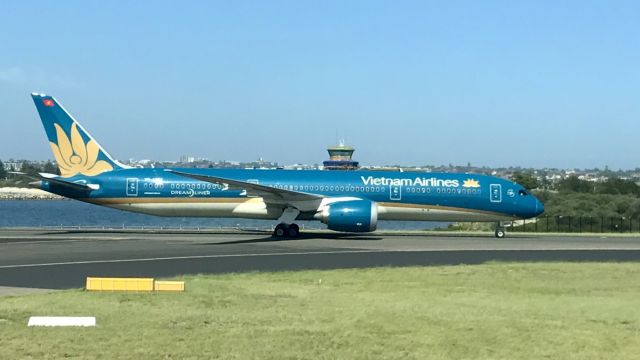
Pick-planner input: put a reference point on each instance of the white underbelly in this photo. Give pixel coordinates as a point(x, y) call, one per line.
point(251, 208)
point(422, 213)
point(255, 208)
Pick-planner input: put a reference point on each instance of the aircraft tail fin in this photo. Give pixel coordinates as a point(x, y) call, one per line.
point(75, 150)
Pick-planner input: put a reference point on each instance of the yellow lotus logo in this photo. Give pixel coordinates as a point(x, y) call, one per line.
point(470, 183)
point(75, 157)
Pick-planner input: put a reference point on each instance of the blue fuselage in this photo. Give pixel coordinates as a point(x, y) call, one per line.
point(400, 195)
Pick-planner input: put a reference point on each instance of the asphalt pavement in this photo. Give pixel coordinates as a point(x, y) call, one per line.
point(52, 259)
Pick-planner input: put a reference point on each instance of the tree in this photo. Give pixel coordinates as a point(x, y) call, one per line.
point(30, 168)
point(49, 168)
point(573, 184)
point(617, 186)
point(525, 179)
point(633, 211)
point(3, 172)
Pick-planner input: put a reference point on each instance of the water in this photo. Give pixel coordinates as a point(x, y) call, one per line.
point(69, 213)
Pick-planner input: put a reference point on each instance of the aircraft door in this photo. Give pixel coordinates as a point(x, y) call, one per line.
point(395, 192)
point(496, 192)
point(132, 187)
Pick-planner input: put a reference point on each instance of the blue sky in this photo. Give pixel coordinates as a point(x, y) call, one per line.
point(497, 83)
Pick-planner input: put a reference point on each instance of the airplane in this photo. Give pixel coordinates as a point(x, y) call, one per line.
point(346, 201)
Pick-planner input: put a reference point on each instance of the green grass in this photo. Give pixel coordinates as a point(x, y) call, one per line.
point(491, 311)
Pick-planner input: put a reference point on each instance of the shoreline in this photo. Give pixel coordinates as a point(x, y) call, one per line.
point(16, 193)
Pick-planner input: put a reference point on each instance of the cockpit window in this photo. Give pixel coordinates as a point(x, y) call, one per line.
point(523, 192)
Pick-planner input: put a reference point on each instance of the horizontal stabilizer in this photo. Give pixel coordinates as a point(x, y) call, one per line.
point(51, 178)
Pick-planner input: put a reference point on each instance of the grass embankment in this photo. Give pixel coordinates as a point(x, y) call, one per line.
point(497, 311)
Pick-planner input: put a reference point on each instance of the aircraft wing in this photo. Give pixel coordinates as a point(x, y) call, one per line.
point(270, 194)
point(51, 178)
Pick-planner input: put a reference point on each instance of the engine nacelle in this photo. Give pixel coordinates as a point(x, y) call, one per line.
point(351, 216)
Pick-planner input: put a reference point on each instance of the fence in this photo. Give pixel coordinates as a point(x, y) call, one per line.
point(577, 224)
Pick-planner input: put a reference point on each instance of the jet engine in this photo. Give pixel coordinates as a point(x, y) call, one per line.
point(351, 216)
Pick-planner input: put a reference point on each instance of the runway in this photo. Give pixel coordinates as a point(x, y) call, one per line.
point(63, 259)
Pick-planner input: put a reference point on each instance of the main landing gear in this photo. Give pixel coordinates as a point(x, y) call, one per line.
point(286, 227)
point(286, 230)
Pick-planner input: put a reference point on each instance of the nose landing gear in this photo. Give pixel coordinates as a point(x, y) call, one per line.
point(500, 231)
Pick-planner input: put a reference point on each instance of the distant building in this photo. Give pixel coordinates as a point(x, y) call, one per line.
point(187, 159)
point(340, 158)
point(12, 166)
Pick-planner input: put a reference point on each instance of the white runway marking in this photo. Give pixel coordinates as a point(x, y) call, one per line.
point(189, 257)
point(55, 240)
point(302, 253)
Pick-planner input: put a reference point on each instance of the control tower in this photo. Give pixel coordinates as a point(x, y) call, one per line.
point(340, 158)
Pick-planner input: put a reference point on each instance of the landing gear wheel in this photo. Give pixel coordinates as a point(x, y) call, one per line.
point(500, 233)
point(293, 231)
point(280, 231)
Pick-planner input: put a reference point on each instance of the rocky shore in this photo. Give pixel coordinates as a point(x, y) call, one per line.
point(13, 193)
